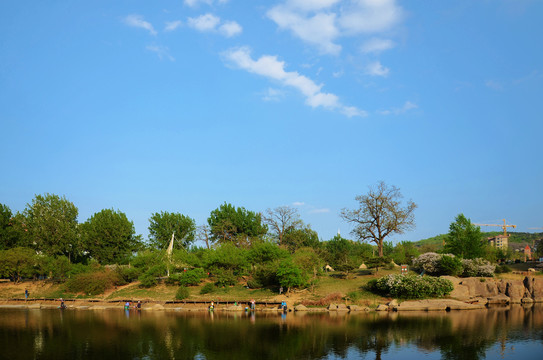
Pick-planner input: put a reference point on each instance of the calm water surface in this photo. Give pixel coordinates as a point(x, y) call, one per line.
point(504, 333)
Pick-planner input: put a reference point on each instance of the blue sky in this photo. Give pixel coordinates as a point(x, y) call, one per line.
point(181, 105)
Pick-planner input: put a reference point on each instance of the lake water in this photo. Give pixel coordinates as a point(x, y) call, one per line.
point(500, 333)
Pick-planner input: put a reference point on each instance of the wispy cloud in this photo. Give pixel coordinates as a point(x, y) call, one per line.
point(207, 22)
point(377, 69)
point(408, 105)
point(319, 30)
point(162, 52)
point(298, 203)
point(272, 68)
point(172, 25)
point(135, 20)
point(322, 22)
point(230, 29)
point(210, 23)
point(377, 45)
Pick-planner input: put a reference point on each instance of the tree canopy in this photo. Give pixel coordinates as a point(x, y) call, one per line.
point(162, 225)
point(109, 237)
point(236, 225)
point(380, 213)
point(464, 239)
point(52, 223)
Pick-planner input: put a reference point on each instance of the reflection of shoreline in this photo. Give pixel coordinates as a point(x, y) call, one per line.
point(240, 333)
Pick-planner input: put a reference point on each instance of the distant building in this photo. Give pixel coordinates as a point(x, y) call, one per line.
point(527, 253)
point(499, 242)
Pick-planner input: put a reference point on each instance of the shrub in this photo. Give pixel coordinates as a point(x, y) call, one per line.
point(502, 269)
point(266, 275)
point(182, 293)
point(128, 274)
point(412, 286)
point(290, 275)
point(93, 283)
point(427, 262)
point(354, 295)
point(188, 278)
point(450, 265)
point(225, 278)
point(150, 277)
point(477, 267)
point(254, 284)
point(207, 289)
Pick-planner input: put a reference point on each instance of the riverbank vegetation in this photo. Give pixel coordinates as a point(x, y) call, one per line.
point(237, 253)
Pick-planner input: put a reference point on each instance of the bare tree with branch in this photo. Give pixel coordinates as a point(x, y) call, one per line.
point(282, 219)
point(380, 214)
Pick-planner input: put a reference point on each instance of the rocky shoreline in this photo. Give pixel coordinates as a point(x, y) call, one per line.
point(468, 294)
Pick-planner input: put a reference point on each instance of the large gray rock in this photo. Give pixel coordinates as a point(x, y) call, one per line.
point(300, 308)
point(358, 308)
point(382, 307)
point(342, 307)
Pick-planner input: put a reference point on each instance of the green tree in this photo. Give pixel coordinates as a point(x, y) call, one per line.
point(404, 252)
point(296, 238)
point(464, 239)
point(9, 236)
point(109, 237)
point(53, 227)
point(290, 275)
point(17, 263)
point(380, 213)
point(235, 225)
point(339, 254)
point(162, 225)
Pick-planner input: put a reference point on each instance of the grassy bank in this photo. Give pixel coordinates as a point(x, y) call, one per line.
point(350, 289)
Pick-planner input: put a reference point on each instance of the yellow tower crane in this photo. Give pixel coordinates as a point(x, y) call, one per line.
point(504, 226)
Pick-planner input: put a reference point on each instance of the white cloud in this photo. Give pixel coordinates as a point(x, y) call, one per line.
point(376, 45)
point(269, 66)
point(408, 105)
point(137, 21)
point(172, 25)
point(377, 69)
point(322, 22)
point(207, 22)
point(370, 16)
point(318, 30)
point(162, 52)
point(312, 5)
point(210, 23)
point(230, 28)
point(298, 203)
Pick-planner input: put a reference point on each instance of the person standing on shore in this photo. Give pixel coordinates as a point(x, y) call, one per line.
point(26, 294)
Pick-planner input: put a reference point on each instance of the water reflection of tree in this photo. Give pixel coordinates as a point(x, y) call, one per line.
point(163, 335)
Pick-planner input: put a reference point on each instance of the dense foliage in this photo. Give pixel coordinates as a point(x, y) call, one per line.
point(411, 286)
point(447, 264)
point(464, 239)
point(162, 225)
